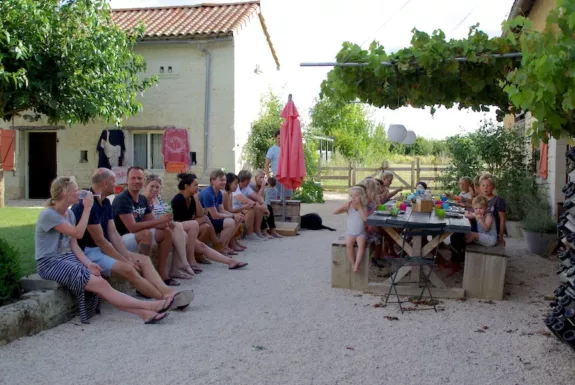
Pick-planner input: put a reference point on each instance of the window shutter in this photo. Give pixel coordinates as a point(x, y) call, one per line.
point(7, 148)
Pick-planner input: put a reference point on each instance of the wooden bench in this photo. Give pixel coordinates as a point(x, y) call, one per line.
point(342, 275)
point(484, 272)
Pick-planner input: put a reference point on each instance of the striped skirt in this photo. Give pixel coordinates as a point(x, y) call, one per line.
point(68, 271)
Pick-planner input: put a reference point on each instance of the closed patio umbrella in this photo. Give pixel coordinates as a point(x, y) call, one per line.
point(291, 162)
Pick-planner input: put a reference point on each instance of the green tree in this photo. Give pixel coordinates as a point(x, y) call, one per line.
point(348, 124)
point(262, 131)
point(379, 145)
point(67, 61)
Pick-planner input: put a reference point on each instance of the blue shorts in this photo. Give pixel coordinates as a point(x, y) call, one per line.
point(95, 255)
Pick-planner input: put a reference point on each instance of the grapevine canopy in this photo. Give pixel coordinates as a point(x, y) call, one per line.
point(426, 74)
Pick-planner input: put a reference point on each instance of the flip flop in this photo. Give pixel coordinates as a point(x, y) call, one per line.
point(171, 282)
point(238, 265)
point(179, 275)
point(183, 299)
point(196, 269)
point(157, 318)
point(168, 306)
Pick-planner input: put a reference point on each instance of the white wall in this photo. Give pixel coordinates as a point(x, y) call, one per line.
point(250, 50)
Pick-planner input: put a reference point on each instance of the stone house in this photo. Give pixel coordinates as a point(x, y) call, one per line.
point(552, 169)
point(213, 61)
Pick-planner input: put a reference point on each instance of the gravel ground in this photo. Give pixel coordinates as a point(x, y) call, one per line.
point(280, 322)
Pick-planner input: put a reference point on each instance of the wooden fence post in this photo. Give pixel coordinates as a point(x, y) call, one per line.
point(350, 169)
point(353, 174)
point(418, 170)
point(412, 175)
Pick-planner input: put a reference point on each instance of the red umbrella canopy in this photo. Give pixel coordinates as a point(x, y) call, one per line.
point(291, 162)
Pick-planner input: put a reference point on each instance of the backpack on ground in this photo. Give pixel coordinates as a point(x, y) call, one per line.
point(313, 221)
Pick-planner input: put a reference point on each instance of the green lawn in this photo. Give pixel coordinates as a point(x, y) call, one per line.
point(17, 228)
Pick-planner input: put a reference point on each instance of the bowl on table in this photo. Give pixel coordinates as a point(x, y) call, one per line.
point(440, 213)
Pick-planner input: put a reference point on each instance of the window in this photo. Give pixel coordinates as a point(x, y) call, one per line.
point(148, 151)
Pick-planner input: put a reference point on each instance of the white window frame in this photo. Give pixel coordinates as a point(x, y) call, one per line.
point(148, 149)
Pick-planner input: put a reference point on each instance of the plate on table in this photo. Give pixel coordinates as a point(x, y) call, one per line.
point(384, 212)
point(453, 214)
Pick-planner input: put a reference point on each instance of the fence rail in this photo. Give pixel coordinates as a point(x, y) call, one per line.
point(405, 175)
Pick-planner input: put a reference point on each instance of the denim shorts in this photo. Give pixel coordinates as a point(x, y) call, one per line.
point(106, 262)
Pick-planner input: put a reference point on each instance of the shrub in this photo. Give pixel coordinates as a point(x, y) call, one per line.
point(309, 192)
point(10, 273)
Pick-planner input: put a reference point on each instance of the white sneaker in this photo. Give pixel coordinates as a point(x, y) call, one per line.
point(252, 237)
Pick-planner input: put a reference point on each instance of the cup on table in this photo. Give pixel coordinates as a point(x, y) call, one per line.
point(440, 213)
point(445, 206)
point(398, 204)
point(403, 206)
point(381, 208)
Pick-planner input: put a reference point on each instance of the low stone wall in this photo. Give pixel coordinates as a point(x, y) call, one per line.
point(46, 304)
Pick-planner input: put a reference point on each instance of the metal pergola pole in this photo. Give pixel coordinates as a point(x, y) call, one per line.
point(388, 63)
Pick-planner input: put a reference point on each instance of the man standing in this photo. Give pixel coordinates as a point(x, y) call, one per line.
point(103, 245)
point(272, 158)
point(211, 198)
point(139, 228)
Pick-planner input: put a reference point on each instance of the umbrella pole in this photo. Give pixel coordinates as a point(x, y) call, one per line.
point(283, 203)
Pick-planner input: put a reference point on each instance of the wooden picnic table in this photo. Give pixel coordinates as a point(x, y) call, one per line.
point(389, 224)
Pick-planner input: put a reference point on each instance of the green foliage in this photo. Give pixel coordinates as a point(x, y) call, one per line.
point(263, 130)
point(10, 273)
point(357, 138)
point(544, 83)
point(501, 152)
point(68, 61)
point(425, 74)
point(538, 218)
point(311, 156)
point(309, 192)
point(347, 123)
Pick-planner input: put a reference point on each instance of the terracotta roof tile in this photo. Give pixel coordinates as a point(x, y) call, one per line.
point(187, 20)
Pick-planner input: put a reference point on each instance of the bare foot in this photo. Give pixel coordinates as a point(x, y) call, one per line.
point(241, 245)
point(275, 234)
point(355, 268)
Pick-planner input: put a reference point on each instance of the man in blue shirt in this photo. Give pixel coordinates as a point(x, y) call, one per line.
point(272, 159)
point(103, 245)
point(211, 198)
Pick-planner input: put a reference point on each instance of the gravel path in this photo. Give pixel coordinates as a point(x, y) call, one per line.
point(280, 322)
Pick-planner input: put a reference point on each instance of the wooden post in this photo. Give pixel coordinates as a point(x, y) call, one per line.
point(2, 188)
point(353, 174)
point(418, 170)
point(412, 175)
point(349, 174)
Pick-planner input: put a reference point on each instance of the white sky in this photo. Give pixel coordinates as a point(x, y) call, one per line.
point(313, 31)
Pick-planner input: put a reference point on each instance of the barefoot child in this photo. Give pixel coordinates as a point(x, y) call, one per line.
point(486, 234)
point(356, 210)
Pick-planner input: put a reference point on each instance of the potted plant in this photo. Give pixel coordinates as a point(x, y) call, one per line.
point(539, 229)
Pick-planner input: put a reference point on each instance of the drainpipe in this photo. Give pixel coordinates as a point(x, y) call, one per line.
point(207, 109)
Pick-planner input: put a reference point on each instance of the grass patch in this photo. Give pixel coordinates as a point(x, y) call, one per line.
point(17, 228)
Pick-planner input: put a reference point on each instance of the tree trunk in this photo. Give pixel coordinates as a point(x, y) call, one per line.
point(1, 189)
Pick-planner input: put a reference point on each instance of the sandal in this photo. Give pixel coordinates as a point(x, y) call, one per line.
point(170, 301)
point(190, 270)
point(171, 282)
point(238, 265)
point(200, 258)
point(196, 269)
point(179, 275)
point(156, 319)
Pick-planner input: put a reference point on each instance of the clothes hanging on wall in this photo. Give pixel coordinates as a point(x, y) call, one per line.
point(175, 147)
point(111, 148)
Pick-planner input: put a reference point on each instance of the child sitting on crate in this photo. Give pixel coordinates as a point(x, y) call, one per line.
point(356, 209)
point(486, 234)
